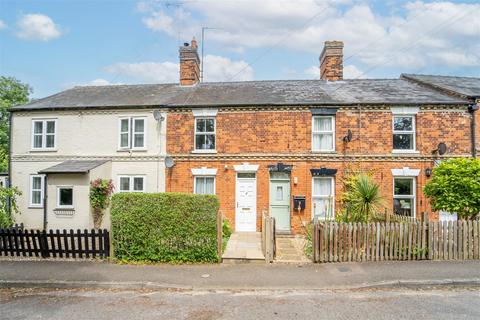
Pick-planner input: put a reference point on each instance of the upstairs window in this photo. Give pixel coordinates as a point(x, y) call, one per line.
point(131, 184)
point(205, 133)
point(404, 133)
point(323, 131)
point(132, 133)
point(43, 134)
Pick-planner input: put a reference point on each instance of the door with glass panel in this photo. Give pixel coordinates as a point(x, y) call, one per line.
point(280, 200)
point(323, 198)
point(246, 202)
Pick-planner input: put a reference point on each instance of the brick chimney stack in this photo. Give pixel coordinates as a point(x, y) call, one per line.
point(189, 64)
point(331, 61)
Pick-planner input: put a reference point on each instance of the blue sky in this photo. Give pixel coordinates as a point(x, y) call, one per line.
point(54, 45)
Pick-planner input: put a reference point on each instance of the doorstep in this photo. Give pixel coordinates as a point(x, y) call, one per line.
point(244, 247)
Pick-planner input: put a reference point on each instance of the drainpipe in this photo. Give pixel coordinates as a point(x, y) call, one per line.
point(473, 127)
point(9, 178)
point(45, 190)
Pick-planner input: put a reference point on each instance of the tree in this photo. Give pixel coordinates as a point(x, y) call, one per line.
point(12, 93)
point(362, 200)
point(455, 187)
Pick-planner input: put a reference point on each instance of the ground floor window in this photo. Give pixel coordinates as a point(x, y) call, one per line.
point(404, 196)
point(131, 184)
point(323, 197)
point(204, 185)
point(36, 190)
point(65, 197)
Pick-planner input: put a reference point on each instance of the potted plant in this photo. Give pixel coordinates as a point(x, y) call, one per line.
point(100, 193)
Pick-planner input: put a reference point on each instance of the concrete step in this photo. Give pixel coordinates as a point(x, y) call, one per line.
point(242, 261)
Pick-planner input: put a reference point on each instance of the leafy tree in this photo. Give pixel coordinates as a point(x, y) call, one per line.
point(455, 187)
point(12, 93)
point(362, 200)
point(8, 197)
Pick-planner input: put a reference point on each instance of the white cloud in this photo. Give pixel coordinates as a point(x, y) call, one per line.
point(147, 72)
point(100, 82)
point(37, 27)
point(3, 25)
point(352, 72)
point(421, 34)
point(216, 68)
point(313, 72)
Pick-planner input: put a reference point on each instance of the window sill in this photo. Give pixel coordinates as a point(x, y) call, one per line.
point(132, 150)
point(324, 151)
point(204, 151)
point(43, 150)
point(35, 207)
point(405, 151)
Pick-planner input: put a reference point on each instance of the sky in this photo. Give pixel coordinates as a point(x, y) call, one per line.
point(54, 45)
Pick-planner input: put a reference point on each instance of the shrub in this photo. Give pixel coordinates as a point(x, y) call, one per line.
point(165, 227)
point(361, 200)
point(455, 187)
point(226, 233)
point(100, 193)
point(7, 194)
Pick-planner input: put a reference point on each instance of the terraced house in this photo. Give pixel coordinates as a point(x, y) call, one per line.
point(275, 147)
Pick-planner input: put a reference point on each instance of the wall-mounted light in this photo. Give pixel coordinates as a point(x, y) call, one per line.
point(428, 172)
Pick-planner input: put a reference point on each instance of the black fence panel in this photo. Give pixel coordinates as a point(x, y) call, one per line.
point(18, 242)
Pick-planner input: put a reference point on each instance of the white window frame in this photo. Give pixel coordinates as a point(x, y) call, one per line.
point(42, 190)
point(332, 132)
point(131, 183)
point(214, 133)
point(413, 196)
point(44, 135)
point(332, 195)
point(412, 132)
point(204, 176)
point(131, 133)
point(58, 197)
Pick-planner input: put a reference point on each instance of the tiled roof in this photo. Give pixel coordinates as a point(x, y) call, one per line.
point(464, 86)
point(279, 92)
point(74, 166)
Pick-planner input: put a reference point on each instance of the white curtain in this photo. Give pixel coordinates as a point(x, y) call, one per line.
point(205, 185)
point(322, 186)
point(323, 141)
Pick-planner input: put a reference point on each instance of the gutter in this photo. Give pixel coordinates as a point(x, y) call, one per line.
point(9, 178)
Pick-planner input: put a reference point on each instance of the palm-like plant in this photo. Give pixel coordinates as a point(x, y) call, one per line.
point(362, 198)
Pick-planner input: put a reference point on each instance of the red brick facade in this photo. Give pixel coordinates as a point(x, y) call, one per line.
point(263, 137)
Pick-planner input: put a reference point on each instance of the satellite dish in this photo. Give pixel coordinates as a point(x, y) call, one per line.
point(442, 148)
point(349, 136)
point(157, 114)
point(169, 162)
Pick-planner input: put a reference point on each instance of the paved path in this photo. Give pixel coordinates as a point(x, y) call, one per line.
point(220, 276)
point(244, 246)
point(444, 303)
point(290, 250)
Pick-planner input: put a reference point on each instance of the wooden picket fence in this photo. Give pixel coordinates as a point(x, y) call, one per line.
point(385, 241)
point(55, 243)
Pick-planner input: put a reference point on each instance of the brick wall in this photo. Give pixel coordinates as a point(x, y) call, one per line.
point(287, 135)
point(287, 132)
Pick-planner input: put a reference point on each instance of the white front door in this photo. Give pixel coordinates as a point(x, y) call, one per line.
point(246, 202)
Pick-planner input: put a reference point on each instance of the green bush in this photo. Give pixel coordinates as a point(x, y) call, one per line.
point(226, 233)
point(165, 227)
point(8, 196)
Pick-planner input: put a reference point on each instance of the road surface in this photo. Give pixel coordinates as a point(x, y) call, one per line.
point(387, 303)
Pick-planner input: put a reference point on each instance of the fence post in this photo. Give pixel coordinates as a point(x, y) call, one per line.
point(219, 234)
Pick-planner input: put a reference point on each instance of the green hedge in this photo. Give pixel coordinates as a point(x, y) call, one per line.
point(165, 227)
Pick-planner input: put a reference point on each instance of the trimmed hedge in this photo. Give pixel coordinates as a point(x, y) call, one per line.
point(165, 227)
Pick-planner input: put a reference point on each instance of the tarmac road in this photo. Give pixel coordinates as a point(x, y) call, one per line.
point(442, 302)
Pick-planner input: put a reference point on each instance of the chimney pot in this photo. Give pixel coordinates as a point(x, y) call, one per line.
point(189, 64)
point(331, 61)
